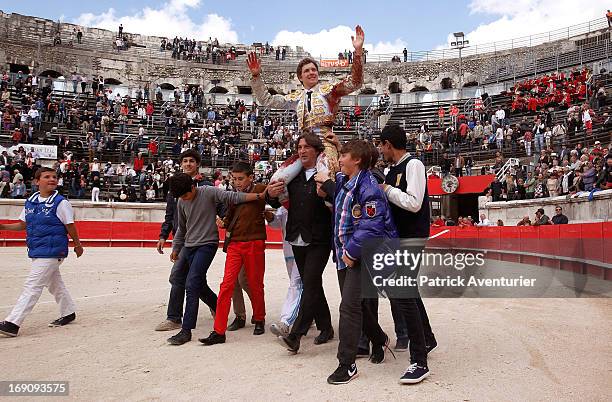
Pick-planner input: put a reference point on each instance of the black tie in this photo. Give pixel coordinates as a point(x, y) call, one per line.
point(309, 100)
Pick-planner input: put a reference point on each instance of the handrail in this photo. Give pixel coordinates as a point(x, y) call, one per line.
point(510, 163)
point(493, 47)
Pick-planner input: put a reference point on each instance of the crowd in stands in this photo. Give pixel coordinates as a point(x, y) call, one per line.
point(192, 122)
point(566, 173)
point(199, 51)
point(551, 90)
point(540, 219)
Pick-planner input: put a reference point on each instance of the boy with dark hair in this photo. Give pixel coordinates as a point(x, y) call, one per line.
point(245, 244)
point(47, 218)
point(197, 234)
point(361, 215)
point(190, 162)
point(406, 189)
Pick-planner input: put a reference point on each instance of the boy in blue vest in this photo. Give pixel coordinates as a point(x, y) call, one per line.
point(47, 218)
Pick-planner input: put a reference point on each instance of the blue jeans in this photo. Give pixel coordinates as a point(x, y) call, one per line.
point(178, 278)
point(539, 142)
point(199, 259)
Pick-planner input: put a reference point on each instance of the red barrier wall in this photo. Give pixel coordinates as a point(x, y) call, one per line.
point(526, 244)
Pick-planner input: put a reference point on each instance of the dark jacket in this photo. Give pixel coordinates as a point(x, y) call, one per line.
point(308, 215)
point(250, 224)
point(374, 221)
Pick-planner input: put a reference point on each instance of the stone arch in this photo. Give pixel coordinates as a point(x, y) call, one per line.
point(368, 91)
point(218, 90)
point(446, 83)
point(15, 68)
point(52, 73)
point(245, 90)
point(167, 86)
point(395, 88)
point(470, 84)
point(419, 88)
point(112, 81)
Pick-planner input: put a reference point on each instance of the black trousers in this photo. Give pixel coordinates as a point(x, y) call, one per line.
point(356, 315)
point(311, 261)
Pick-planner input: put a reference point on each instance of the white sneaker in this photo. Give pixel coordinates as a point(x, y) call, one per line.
point(167, 325)
point(279, 329)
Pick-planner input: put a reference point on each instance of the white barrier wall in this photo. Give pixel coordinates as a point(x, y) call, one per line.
point(98, 211)
point(577, 209)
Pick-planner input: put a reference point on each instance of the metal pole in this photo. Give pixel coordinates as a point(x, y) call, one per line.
point(460, 74)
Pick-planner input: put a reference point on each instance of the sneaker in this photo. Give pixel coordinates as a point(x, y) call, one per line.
point(213, 339)
point(414, 374)
point(324, 336)
point(401, 345)
point(260, 328)
point(292, 342)
point(237, 324)
point(343, 374)
point(60, 322)
point(279, 329)
point(182, 337)
point(362, 353)
point(432, 347)
point(8, 328)
point(378, 352)
point(168, 325)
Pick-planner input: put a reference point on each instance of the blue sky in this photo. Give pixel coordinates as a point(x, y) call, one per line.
point(389, 25)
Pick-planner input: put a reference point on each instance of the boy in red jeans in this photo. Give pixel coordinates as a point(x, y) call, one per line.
point(246, 234)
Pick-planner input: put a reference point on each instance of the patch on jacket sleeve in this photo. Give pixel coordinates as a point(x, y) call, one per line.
point(356, 211)
point(370, 209)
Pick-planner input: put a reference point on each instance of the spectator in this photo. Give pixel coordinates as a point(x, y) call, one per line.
point(541, 218)
point(483, 221)
point(559, 218)
point(524, 222)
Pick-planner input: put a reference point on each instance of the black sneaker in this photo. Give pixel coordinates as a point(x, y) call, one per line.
point(260, 327)
point(362, 352)
point(430, 348)
point(182, 337)
point(343, 374)
point(60, 322)
point(324, 336)
point(8, 328)
point(213, 339)
point(401, 345)
point(237, 324)
point(414, 374)
point(292, 342)
point(378, 352)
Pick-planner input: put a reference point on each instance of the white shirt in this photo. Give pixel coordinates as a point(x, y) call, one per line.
point(411, 199)
point(586, 116)
point(64, 211)
point(500, 114)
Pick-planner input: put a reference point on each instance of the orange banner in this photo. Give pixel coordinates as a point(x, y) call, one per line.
point(334, 63)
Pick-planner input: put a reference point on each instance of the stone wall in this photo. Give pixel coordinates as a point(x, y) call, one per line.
point(19, 44)
point(578, 209)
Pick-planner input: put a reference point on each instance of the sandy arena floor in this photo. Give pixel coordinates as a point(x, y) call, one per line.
point(489, 349)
